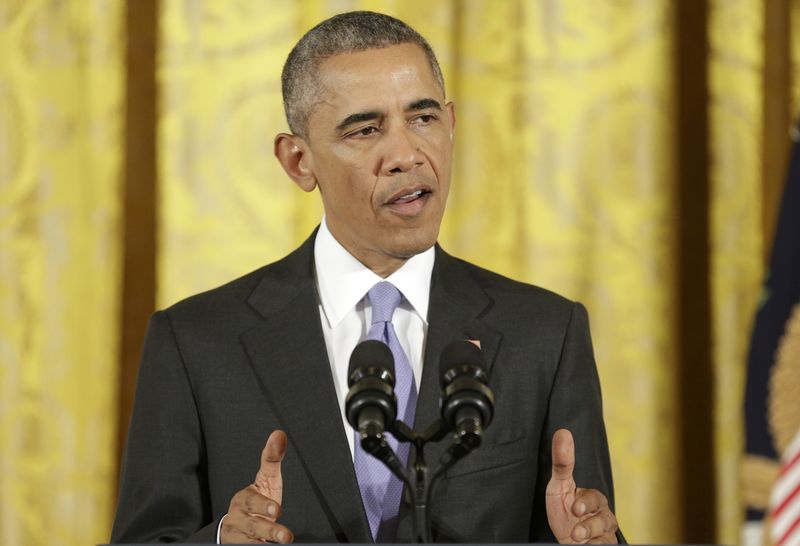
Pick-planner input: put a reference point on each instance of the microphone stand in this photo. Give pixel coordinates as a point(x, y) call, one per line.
point(419, 483)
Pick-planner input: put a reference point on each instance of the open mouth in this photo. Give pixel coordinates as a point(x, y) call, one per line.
point(408, 198)
point(408, 195)
point(409, 202)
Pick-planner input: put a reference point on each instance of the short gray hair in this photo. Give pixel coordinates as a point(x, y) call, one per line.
point(343, 33)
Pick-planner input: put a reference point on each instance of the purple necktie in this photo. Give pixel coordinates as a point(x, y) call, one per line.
point(381, 491)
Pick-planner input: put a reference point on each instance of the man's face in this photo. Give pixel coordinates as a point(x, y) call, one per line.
point(380, 145)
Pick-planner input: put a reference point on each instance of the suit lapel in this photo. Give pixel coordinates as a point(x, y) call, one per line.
point(457, 303)
point(288, 354)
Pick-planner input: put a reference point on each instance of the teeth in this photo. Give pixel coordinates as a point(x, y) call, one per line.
point(413, 194)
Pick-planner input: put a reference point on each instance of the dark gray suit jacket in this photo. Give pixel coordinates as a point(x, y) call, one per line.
point(223, 369)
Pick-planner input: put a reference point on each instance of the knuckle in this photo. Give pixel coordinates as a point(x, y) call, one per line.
point(611, 521)
point(250, 528)
point(241, 497)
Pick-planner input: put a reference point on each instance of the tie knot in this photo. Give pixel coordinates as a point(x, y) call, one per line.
point(384, 298)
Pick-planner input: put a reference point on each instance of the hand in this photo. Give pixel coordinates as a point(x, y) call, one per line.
point(254, 510)
point(575, 515)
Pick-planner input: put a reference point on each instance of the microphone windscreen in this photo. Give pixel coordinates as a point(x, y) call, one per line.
point(371, 353)
point(457, 354)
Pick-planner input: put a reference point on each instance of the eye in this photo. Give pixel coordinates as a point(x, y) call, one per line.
point(423, 120)
point(363, 132)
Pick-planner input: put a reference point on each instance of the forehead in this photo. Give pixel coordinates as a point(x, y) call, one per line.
point(373, 78)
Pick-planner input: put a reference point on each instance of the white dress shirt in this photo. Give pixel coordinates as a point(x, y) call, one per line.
point(345, 314)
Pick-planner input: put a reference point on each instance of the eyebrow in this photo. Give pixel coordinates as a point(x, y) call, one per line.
point(424, 104)
point(358, 117)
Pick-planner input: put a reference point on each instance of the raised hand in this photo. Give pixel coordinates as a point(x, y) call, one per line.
point(253, 512)
point(575, 515)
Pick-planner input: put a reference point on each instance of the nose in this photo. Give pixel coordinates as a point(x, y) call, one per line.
point(402, 151)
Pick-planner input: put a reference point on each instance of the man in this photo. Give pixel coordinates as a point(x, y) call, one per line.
point(267, 354)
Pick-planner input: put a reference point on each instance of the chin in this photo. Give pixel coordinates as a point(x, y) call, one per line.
point(405, 246)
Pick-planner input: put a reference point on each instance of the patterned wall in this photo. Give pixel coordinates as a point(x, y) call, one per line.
point(61, 74)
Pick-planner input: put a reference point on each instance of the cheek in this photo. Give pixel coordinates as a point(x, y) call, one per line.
point(354, 193)
point(440, 157)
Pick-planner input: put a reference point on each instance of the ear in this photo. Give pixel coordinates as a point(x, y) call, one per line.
point(451, 108)
point(292, 152)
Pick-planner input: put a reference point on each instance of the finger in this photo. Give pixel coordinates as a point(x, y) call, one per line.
point(251, 502)
point(262, 529)
point(607, 539)
point(258, 528)
point(268, 479)
point(563, 455)
point(588, 501)
point(232, 533)
point(237, 537)
point(597, 526)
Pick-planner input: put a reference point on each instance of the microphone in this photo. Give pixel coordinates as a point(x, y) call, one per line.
point(467, 401)
point(371, 405)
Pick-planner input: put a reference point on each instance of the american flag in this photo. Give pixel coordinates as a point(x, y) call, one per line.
point(785, 498)
point(781, 293)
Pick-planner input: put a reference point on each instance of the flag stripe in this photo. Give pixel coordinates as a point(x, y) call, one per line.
point(777, 511)
point(786, 520)
point(785, 484)
point(785, 498)
point(783, 540)
point(792, 451)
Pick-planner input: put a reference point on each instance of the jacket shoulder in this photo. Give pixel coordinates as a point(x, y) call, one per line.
point(506, 288)
point(234, 298)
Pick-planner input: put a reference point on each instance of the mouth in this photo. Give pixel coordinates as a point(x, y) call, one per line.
point(409, 201)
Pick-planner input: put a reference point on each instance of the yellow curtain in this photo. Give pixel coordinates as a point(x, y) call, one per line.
point(226, 206)
point(564, 180)
point(60, 121)
point(735, 116)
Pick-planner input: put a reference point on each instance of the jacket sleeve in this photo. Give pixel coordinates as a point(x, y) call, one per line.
point(575, 404)
point(164, 493)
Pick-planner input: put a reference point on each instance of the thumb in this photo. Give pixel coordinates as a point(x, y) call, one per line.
point(563, 455)
point(269, 481)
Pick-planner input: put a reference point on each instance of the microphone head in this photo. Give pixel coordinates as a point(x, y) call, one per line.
point(371, 397)
point(373, 358)
point(461, 357)
point(465, 385)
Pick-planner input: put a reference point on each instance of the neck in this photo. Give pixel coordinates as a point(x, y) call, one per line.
point(380, 263)
point(383, 268)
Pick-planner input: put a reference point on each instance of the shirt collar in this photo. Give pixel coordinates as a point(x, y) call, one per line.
point(342, 281)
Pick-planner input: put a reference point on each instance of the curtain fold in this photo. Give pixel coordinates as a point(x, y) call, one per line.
point(736, 246)
point(61, 75)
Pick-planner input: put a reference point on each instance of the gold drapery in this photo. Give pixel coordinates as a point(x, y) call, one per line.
point(61, 76)
point(570, 173)
point(736, 238)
